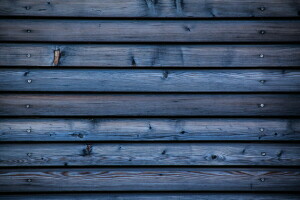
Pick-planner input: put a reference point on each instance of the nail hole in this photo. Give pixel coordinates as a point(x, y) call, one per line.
point(213, 157)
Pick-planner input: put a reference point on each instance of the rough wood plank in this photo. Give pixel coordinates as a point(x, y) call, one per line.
point(198, 154)
point(148, 129)
point(149, 8)
point(95, 55)
point(145, 179)
point(149, 105)
point(153, 195)
point(148, 31)
point(150, 80)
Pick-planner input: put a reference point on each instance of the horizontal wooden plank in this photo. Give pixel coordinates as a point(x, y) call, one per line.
point(149, 105)
point(198, 154)
point(148, 31)
point(150, 129)
point(150, 80)
point(149, 8)
point(145, 179)
point(156, 196)
point(95, 55)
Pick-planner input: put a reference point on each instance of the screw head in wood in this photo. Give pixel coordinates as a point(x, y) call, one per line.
point(261, 55)
point(29, 81)
point(263, 153)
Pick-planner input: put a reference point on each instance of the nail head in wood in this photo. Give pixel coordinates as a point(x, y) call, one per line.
point(28, 130)
point(262, 179)
point(263, 153)
point(28, 31)
point(262, 129)
point(261, 105)
point(29, 180)
point(28, 55)
point(27, 106)
point(29, 81)
point(261, 55)
point(262, 8)
point(262, 32)
point(262, 81)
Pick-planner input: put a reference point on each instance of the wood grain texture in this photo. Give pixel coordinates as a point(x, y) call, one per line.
point(150, 80)
point(152, 195)
point(149, 105)
point(145, 179)
point(149, 8)
point(163, 154)
point(148, 30)
point(134, 56)
point(149, 129)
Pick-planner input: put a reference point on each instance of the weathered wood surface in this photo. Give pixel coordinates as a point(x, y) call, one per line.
point(149, 105)
point(95, 55)
point(145, 179)
point(150, 8)
point(150, 80)
point(153, 195)
point(198, 154)
point(149, 30)
point(193, 129)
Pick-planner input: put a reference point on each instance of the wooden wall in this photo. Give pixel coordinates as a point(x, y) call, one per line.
point(149, 99)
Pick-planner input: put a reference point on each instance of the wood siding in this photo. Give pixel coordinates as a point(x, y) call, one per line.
point(149, 99)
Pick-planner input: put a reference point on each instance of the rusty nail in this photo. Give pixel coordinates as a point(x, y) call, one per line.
point(56, 57)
